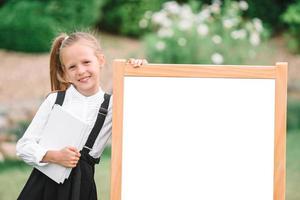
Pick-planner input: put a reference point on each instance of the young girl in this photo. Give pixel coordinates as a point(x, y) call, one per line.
point(75, 64)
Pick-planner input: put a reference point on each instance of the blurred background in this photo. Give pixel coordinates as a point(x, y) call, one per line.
point(185, 31)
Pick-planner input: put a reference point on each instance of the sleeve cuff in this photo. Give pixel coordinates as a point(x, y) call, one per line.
point(39, 156)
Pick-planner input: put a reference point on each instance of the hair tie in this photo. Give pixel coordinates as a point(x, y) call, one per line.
point(65, 39)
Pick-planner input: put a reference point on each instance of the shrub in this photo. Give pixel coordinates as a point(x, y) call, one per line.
point(122, 16)
point(21, 31)
point(30, 25)
point(292, 18)
point(268, 11)
point(293, 114)
point(73, 15)
point(217, 34)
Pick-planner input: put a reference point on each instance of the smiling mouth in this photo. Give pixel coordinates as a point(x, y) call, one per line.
point(84, 79)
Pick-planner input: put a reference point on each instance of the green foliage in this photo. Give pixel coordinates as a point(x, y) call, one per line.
point(22, 31)
point(123, 16)
point(216, 34)
point(12, 164)
point(72, 15)
point(293, 114)
point(268, 11)
point(14, 174)
point(292, 18)
point(30, 25)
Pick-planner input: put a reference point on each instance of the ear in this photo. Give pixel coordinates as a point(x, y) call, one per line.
point(101, 59)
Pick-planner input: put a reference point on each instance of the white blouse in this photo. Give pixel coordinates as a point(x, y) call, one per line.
point(85, 108)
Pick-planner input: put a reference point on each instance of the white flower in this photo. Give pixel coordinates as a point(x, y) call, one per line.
point(158, 17)
point(243, 5)
point(254, 39)
point(148, 14)
point(217, 58)
point(160, 45)
point(143, 23)
point(202, 29)
point(257, 24)
point(238, 34)
point(216, 39)
point(172, 7)
point(228, 23)
point(203, 15)
point(161, 18)
point(215, 8)
point(185, 24)
point(181, 41)
point(165, 32)
point(186, 12)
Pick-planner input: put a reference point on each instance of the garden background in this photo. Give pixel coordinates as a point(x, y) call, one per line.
point(184, 31)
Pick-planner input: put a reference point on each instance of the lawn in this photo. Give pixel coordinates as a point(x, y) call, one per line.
point(13, 175)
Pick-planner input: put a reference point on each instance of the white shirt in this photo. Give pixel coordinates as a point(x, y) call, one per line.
point(85, 108)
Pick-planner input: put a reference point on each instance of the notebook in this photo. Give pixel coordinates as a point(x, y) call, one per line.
point(62, 129)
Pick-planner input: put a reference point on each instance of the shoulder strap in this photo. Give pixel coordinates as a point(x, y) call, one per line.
point(98, 124)
point(60, 97)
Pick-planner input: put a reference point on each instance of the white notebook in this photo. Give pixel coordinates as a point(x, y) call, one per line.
point(62, 129)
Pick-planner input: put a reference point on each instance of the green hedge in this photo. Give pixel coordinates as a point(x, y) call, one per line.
point(30, 25)
point(293, 114)
point(292, 18)
point(21, 31)
point(123, 16)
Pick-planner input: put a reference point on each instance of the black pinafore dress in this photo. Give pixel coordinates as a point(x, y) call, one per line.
point(81, 184)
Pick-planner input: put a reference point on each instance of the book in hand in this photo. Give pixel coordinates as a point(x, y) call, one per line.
point(62, 129)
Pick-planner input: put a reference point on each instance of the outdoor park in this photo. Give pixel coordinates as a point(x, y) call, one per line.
point(184, 31)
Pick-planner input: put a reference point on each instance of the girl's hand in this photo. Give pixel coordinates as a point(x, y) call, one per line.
point(136, 62)
point(67, 157)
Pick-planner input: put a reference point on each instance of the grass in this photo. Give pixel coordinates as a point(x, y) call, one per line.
point(13, 174)
point(293, 166)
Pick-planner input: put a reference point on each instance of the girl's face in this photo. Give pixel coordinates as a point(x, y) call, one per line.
point(82, 67)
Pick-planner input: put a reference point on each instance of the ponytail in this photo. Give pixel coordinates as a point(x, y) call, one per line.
point(57, 75)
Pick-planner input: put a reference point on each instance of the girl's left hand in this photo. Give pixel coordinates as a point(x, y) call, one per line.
point(137, 62)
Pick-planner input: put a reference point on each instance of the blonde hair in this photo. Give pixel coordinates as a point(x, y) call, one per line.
point(57, 73)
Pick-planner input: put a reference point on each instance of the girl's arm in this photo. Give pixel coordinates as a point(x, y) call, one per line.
point(27, 147)
point(67, 157)
point(31, 152)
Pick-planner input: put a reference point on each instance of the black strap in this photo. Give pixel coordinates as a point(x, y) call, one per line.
point(60, 97)
point(98, 124)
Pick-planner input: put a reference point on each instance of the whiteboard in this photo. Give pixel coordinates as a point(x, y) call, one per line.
point(196, 138)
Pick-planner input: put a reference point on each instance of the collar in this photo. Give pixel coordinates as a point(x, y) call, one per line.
point(76, 94)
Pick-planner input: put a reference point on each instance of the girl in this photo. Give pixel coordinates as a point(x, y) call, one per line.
point(75, 64)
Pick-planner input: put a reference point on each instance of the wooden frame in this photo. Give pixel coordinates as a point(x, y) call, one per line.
point(277, 72)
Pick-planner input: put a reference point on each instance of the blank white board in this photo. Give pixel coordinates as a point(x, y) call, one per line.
point(195, 138)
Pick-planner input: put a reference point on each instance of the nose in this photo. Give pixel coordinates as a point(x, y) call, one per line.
point(80, 69)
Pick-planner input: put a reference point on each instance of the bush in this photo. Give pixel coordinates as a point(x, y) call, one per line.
point(268, 11)
point(292, 18)
point(293, 114)
point(123, 16)
point(72, 15)
point(21, 31)
point(30, 25)
point(217, 34)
